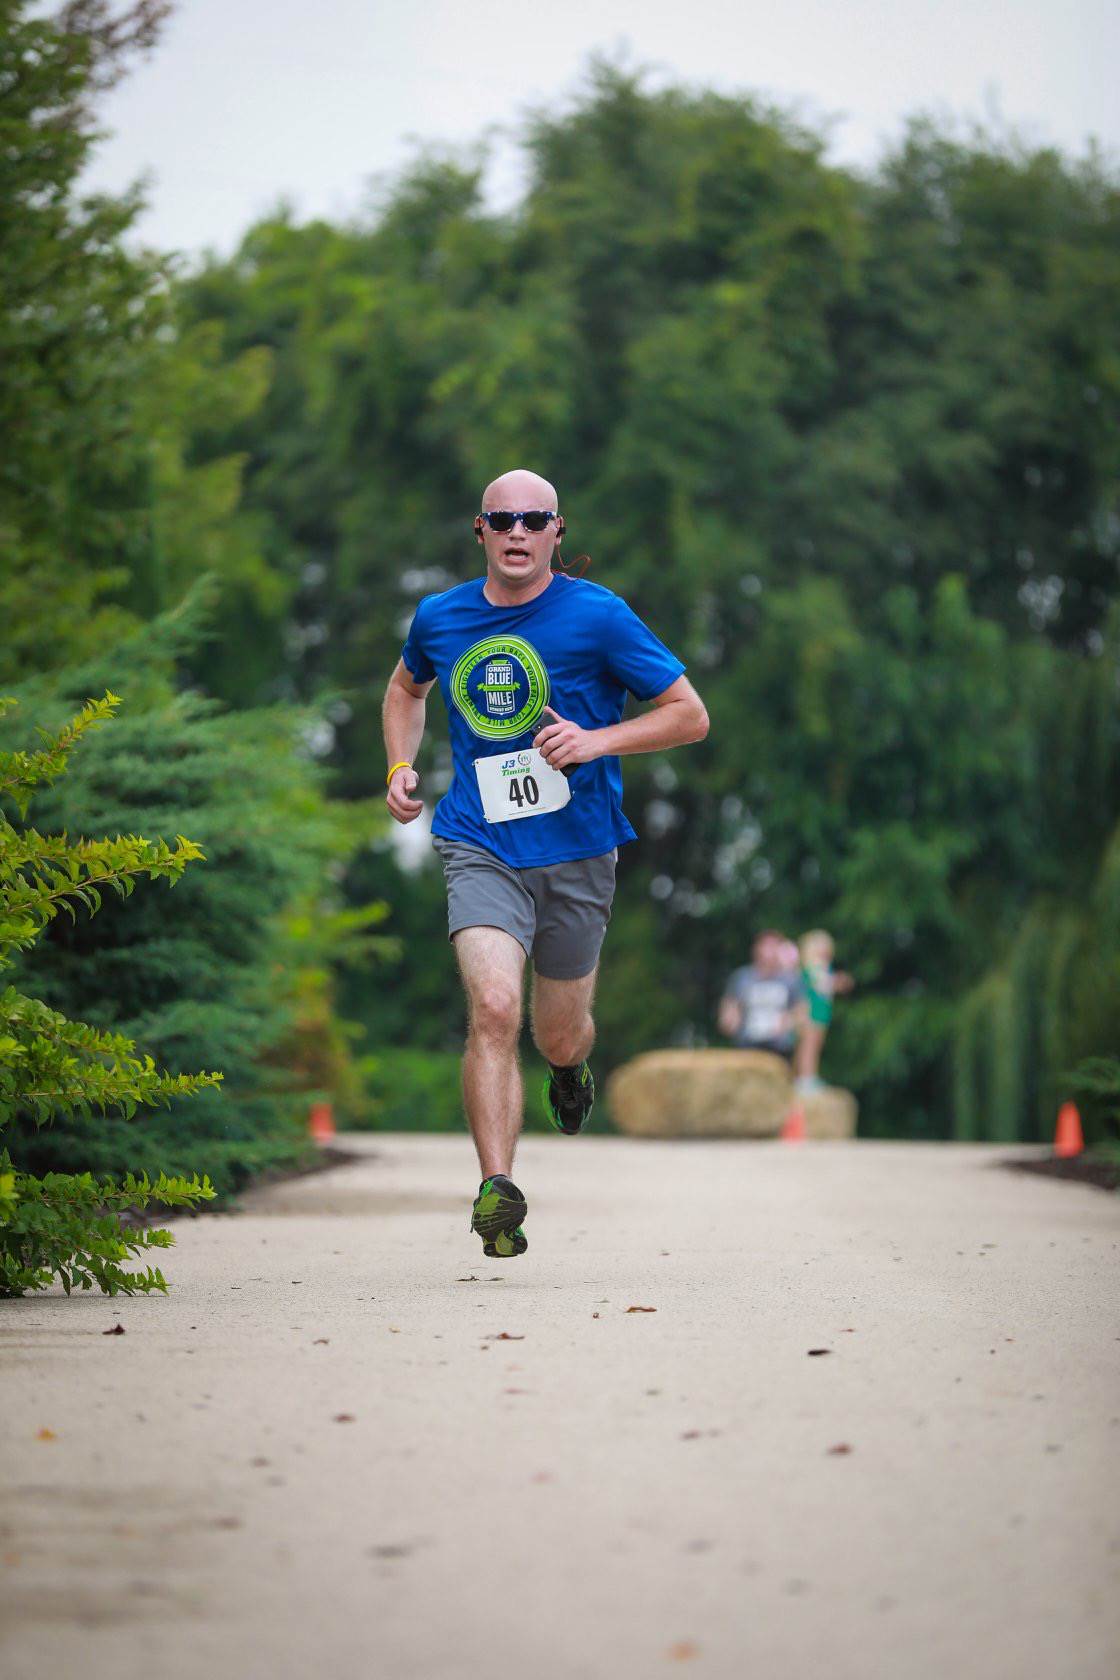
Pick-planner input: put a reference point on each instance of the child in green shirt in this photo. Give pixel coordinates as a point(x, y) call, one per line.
point(822, 983)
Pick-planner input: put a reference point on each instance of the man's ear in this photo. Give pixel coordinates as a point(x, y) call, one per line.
point(478, 527)
point(560, 527)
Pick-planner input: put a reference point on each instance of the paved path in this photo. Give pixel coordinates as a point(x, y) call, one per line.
point(607, 1492)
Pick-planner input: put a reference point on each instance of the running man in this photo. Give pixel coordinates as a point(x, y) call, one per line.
point(534, 667)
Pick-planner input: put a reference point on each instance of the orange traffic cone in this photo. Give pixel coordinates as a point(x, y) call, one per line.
point(321, 1125)
point(1067, 1134)
point(793, 1127)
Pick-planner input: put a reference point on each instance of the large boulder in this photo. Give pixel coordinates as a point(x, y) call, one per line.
point(701, 1093)
point(830, 1112)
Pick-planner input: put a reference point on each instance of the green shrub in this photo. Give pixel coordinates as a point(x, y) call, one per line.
point(67, 1225)
point(1096, 1084)
point(419, 1091)
point(413, 1091)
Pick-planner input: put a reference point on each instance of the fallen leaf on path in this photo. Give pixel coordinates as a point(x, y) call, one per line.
point(471, 1279)
point(817, 1353)
point(344, 1417)
point(683, 1650)
point(321, 1341)
point(641, 1309)
point(117, 1330)
point(595, 1315)
point(504, 1336)
point(393, 1330)
point(46, 1435)
point(839, 1449)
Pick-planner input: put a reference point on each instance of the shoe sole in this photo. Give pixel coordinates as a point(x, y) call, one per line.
point(498, 1223)
point(507, 1246)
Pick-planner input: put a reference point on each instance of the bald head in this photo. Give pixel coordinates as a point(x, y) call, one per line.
point(518, 490)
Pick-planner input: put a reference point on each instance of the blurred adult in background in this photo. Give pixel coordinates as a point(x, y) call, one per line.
point(821, 983)
point(761, 1005)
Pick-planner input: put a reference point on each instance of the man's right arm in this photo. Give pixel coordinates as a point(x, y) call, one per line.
point(402, 716)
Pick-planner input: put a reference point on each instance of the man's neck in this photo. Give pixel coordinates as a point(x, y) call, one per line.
point(501, 594)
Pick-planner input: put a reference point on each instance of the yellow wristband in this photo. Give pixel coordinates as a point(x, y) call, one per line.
point(404, 764)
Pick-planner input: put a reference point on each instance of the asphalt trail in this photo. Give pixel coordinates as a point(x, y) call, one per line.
point(347, 1443)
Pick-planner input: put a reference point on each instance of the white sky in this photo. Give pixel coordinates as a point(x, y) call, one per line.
point(248, 101)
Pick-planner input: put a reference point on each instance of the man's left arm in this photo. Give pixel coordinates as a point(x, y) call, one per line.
point(675, 718)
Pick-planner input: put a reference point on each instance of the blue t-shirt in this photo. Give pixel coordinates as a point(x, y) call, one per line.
point(577, 648)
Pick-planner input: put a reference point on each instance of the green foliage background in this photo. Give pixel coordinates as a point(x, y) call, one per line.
point(850, 444)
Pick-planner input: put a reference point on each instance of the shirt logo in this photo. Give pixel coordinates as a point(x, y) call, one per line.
point(500, 687)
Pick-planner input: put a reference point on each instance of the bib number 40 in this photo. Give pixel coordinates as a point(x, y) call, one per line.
point(523, 790)
point(513, 787)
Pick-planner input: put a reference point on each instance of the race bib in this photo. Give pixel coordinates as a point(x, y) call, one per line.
point(520, 784)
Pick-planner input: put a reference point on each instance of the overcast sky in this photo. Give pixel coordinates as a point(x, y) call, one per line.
point(248, 101)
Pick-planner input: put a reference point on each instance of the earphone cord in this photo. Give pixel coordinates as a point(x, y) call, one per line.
point(568, 567)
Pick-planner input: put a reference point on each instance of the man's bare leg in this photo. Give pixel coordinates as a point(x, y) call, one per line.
point(564, 1033)
point(563, 1029)
point(492, 966)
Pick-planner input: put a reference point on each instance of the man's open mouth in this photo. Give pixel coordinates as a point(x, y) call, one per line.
point(516, 553)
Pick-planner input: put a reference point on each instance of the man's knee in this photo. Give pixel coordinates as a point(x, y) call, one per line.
point(564, 1044)
point(495, 1010)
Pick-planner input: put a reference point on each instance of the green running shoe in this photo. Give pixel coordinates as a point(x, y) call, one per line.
point(568, 1093)
point(498, 1211)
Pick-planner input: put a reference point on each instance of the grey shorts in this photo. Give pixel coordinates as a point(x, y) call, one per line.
point(557, 913)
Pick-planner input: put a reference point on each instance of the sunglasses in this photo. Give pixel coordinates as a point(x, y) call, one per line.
point(499, 519)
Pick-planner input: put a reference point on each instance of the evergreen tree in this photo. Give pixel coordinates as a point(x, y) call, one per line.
point(232, 970)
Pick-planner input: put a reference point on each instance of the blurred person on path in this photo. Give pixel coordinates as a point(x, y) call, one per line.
point(534, 667)
point(821, 984)
point(762, 1003)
